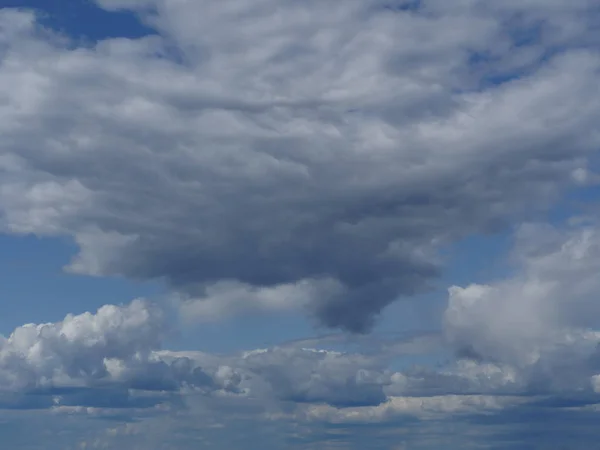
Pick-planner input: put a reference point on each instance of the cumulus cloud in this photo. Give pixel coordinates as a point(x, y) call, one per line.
point(302, 377)
point(95, 362)
point(108, 365)
point(278, 154)
point(542, 321)
point(320, 376)
point(78, 347)
point(100, 364)
point(525, 346)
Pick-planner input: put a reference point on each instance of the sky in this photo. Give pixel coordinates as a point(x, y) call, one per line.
point(326, 224)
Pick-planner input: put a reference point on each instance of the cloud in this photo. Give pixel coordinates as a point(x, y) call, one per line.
point(317, 152)
point(100, 361)
point(151, 397)
point(313, 156)
point(302, 377)
point(409, 406)
point(101, 364)
point(542, 321)
point(222, 299)
point(319, 376)
point(78, 347)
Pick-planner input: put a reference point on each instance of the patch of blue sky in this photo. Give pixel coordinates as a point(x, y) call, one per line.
point(576, 203)
point(241, 332)
point(39, 290)
point(83, 19)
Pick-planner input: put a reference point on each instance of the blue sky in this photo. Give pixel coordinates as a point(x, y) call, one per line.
point(307, 225)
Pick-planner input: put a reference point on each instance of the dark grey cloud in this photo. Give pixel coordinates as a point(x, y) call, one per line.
point(323, 148)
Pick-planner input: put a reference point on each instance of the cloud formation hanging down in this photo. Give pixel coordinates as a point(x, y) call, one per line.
point(525, 347)
point(527, 336)
point(280, 154)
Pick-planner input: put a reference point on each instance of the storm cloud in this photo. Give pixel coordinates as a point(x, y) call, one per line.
point(279, 154)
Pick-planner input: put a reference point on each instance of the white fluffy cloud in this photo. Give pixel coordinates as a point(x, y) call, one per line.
point(95, 362)
point(320, 151)
point(542, 321)
point(78, 348)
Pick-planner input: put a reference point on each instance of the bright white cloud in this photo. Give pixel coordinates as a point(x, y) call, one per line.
point(76, 350)
point(543, 320)
point(91, 363)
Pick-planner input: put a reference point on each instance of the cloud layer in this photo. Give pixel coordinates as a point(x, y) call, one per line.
point(324, 150)
point(104, 360)
point(525, 348)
